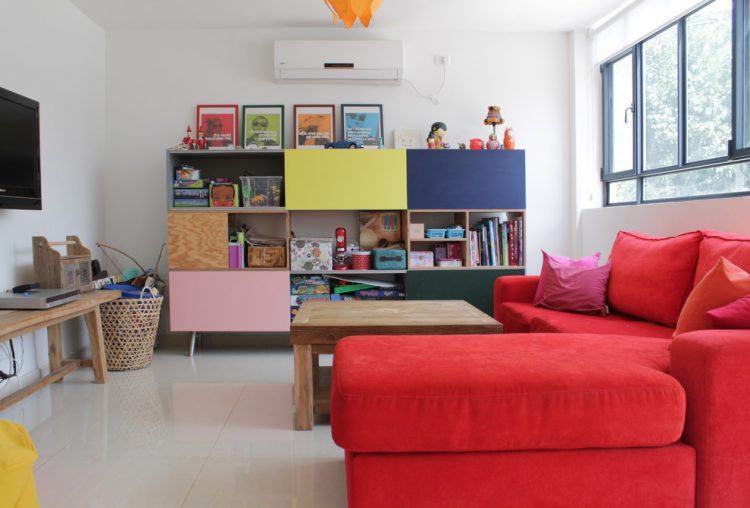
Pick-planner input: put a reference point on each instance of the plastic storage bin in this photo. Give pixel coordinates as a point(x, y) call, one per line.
point(454, 233)
point(261, 191)
point(435, 233)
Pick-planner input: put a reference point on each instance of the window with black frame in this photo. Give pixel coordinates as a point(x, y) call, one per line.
point(669, 106)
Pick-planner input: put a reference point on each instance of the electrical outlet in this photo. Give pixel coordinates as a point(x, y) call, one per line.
point(442, 60)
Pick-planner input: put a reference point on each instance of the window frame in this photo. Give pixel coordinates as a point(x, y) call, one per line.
point(639, 173)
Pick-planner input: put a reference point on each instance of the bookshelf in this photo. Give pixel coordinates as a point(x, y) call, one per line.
point(323, 190)
point(464, 218)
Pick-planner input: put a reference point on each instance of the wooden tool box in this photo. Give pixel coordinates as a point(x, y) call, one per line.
point(55, 270)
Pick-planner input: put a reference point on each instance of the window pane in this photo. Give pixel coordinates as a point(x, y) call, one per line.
point(621, 117)
point(660, 100)
point(699, 182)
point(622, 192)
point(709, 81)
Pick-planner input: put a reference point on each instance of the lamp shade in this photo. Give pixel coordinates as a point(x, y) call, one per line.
point(493, 116)
point(348, 11)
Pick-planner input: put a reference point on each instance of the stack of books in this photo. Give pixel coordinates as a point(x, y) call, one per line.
point(497, 241)
point(189, 188)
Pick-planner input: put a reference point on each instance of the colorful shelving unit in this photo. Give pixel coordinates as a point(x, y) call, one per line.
point(325, 189)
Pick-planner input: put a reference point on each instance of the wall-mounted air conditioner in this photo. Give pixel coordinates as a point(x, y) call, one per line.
point(350, 61)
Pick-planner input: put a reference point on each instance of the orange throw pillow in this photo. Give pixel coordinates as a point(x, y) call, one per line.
point(723, 284)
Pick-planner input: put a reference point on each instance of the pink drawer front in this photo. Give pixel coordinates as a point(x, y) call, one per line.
point(229, 301)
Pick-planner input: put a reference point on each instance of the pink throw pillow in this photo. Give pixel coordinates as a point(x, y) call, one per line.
point(553, 261)
point(575, 289)
point(735, 315)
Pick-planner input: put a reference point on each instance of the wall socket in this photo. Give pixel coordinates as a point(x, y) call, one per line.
point(442, 60)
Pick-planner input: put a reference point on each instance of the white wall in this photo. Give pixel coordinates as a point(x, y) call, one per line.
point(663, 219)
point(51, 52)
point(156, 78)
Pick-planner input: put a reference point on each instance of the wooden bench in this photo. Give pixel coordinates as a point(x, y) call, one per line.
point(14, 323)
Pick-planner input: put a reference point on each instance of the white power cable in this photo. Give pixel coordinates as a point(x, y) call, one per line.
point(433, 98)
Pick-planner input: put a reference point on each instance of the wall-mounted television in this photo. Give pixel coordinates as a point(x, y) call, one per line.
point(20, 172)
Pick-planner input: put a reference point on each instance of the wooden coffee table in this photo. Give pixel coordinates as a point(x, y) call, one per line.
point(319, 325)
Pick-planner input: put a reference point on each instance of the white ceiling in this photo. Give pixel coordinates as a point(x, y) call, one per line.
point(486, 15)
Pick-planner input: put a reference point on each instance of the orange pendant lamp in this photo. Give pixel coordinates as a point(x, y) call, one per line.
point(348, 11)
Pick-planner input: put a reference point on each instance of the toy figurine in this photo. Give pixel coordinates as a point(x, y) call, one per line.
point(493, 118)
point(430, 141)
point(200, 143)
point(339, 254)
point(188, 141)
point(462, 146)
point(437, 134)
point(510, 139)
point(476, 144)
point(493, 143)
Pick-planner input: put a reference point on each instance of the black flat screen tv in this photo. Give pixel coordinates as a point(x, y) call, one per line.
point(20, 172)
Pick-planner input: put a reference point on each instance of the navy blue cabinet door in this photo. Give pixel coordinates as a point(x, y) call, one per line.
point(466, 179)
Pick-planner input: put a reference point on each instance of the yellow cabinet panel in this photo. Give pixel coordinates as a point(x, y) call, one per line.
point(345, 179)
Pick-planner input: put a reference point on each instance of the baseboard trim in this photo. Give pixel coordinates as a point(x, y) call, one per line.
point(226, 340)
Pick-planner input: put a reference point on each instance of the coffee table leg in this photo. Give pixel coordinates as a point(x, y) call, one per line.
point(303, 387)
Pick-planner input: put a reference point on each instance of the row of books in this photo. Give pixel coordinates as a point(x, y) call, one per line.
point(497, 241)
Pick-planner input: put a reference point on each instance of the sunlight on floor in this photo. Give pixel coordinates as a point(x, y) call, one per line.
point(215, 430)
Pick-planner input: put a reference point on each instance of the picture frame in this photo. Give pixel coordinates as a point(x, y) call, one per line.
point(363, 123)
point(220, 124)
point(263, 127)
point(314, 126)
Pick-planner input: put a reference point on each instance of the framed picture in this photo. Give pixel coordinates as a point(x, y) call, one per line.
point(314, 125)
point(220, 124)
point(363, 123)
point(407, 138)
point(263, 127)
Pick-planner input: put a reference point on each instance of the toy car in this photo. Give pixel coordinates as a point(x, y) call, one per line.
point(344, 144)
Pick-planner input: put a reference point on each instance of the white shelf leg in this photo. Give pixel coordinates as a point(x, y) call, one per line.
point(191, 349)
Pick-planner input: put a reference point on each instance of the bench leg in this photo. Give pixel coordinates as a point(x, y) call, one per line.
point(54, 346)
point(303, 387)
point(96, 342)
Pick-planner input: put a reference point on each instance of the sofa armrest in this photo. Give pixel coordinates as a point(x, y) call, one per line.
point(514, 288)
point(714, 368)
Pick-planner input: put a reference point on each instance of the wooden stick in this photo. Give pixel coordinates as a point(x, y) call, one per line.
point(104, 245)
point(158, 260)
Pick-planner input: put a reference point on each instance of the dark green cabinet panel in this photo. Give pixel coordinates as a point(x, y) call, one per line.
point(474, 286)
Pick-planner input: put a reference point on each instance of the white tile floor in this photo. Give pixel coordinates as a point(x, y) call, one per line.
point(214, 430)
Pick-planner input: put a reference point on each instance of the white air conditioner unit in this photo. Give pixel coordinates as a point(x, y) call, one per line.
point(349, 61)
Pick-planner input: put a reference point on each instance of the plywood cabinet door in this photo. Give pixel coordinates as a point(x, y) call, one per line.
point(198, 240)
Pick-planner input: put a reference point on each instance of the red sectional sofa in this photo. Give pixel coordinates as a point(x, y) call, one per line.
point(563, 409)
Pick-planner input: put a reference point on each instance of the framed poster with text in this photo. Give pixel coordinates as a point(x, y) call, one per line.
point(219, 124)
point(314, 125)
point(263, 127)
point(363, 123)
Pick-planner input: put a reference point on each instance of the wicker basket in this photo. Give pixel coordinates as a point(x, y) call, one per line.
point(129, 326)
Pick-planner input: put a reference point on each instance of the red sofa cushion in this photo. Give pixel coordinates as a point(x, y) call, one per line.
point(715, 245)
point(525, 318)
point(503, 392)
point(652, 277)
point(612, 478)
point(733, 315)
